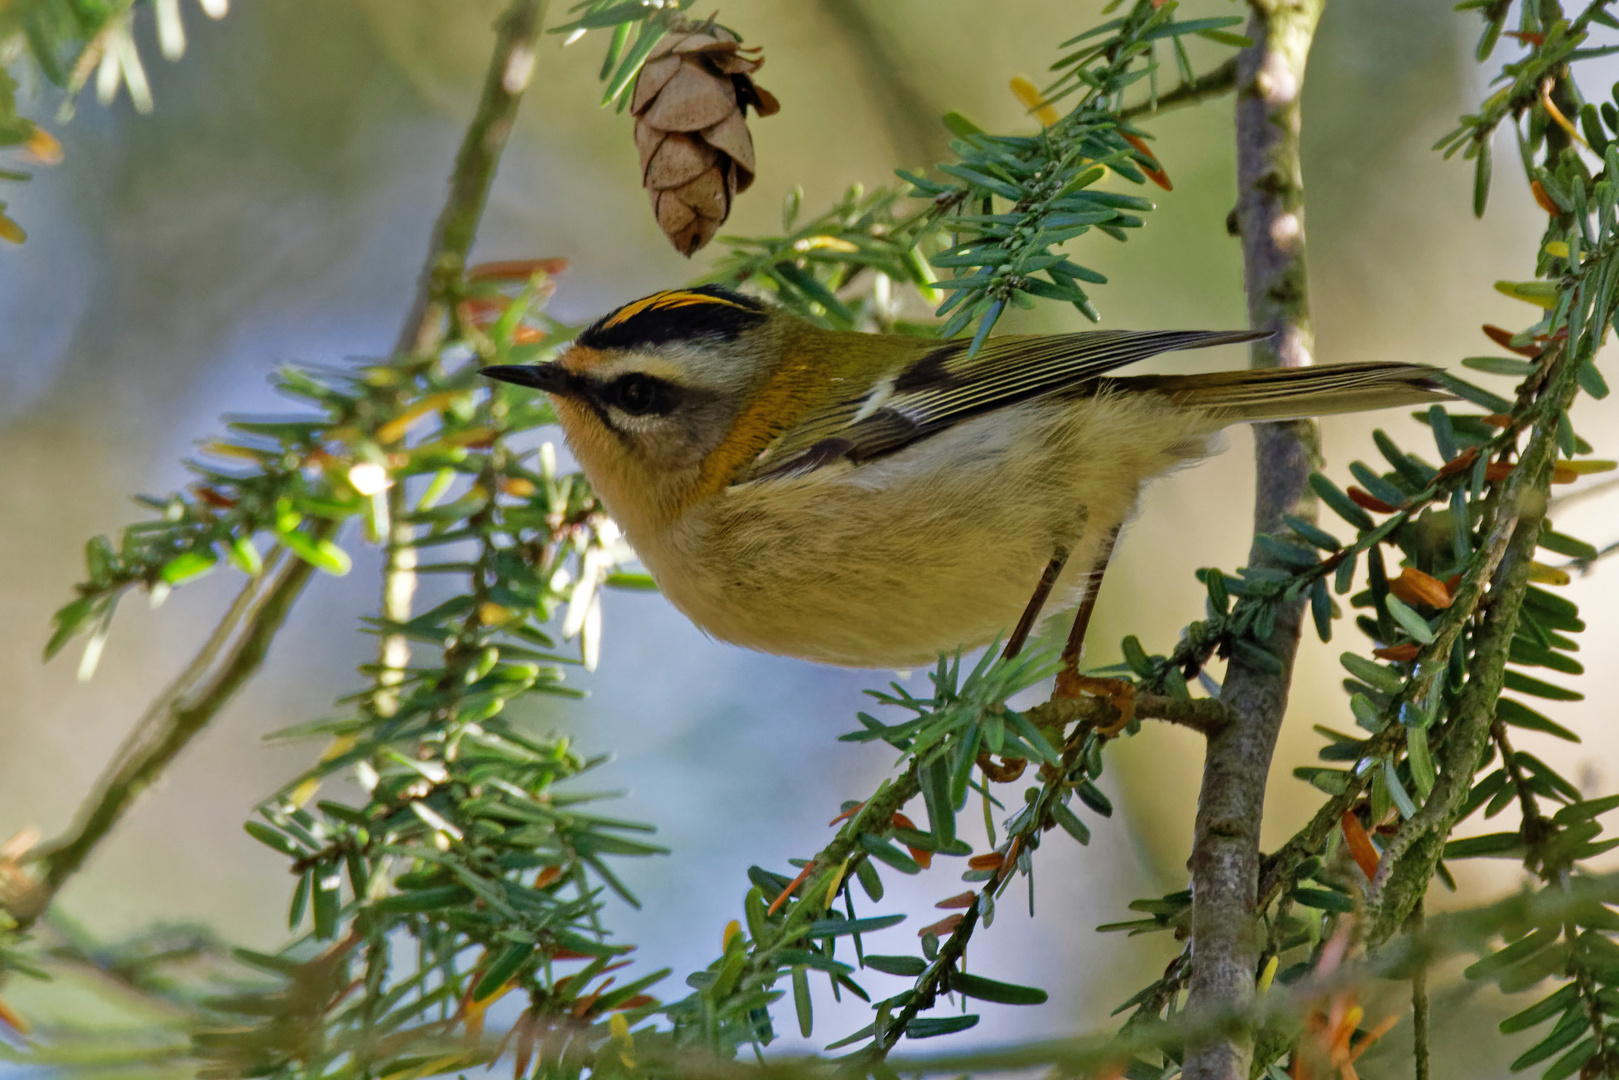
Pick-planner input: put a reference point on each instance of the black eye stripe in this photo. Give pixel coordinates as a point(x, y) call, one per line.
point(638, 394)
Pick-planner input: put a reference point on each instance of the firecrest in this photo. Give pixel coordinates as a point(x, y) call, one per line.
point(873, 500)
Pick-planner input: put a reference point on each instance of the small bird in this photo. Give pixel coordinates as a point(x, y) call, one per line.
point(873, 500)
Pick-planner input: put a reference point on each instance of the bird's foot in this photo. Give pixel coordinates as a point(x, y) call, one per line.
point(1119, 693)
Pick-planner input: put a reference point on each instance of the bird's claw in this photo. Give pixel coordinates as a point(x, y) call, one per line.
point(1119, 693)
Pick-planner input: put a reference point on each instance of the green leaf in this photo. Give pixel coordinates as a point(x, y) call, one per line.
point(1519, 715)
point(1255, 656)
point(244, 555)
point(801, 1001)
point(1324, 900)
point(1339, 502)
point(632, 582)
point(1521, 949)
point(1286, 554)
point(1492, 844)
point(1409, 620)
point(870, 880)
point(67, 620)
point(1224, 37)
point(1570, 1063)
point(1562, 1035)
point(648, 37)
point(1421, 762)
point(1312, 534)
point(935, 778)
point(960, 126)
point(772, 884)
point(503, 969)
point(1529, 653)
point(1136, 657)
point(1332, 781)
point(1500, 365)
point(1372, 673)
point(1000, 993)
point(445, 896)
point(264, 834)
point(1476, 394)
point(618, 13)
point(907, 966)
point(1481, 178)
point(925, 1027)
point(825, 928)
point(1585, 809)
point(1541, 1011)
point(1070, 822)
point(1092, 796)
point(1562, 544)
point(300, 901)
point(1523, 684)
point(923, 841)
point(321, 554)
point(1397, 792)
point(326, 900)
point(1032, 736)
point(879, 848)
point(189, 565)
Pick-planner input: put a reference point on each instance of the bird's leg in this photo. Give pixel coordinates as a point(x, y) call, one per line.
point(1025, 624)
point(1011, 768)
point(1120, 693)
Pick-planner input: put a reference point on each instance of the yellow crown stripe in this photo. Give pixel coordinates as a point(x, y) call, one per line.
point(672, 298)
point(631, 310)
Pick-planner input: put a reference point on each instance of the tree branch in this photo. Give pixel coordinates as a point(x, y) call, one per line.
point(1206, 716)
point(510, 68)
point(1409, 859)
point(169, 725)
point(1270, 214)
point(1210, 84)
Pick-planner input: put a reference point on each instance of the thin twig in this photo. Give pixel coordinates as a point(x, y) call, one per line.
point(1212, 84)
point(1270, 214)
point(1203, 715)
point(510, 68)
point(195, 697)
point(182, 711)
point(1419, 1005)
point(1409, 859)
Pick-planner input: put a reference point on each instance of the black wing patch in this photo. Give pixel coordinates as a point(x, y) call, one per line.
point(943, 387)
point(707, 312)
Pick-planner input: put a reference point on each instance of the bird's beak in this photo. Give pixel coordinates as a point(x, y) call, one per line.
point(553, 378)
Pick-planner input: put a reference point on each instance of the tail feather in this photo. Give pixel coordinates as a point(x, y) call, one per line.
point(1296, 393)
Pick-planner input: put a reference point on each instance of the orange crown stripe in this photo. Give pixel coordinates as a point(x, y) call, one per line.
point(672, 298)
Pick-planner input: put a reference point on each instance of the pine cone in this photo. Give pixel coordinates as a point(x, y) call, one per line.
point(690, 108)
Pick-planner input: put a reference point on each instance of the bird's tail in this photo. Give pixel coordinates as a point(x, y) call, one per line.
point(1296, 393)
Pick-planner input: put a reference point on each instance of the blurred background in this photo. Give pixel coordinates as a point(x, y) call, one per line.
point(275, 208)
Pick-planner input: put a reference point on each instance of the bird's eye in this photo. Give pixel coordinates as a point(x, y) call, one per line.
point(640, 395)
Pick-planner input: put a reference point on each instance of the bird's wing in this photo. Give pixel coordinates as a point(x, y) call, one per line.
point(943, 387)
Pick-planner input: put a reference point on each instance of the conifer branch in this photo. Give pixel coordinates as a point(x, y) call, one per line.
point(202, 690)
point(1270, 213)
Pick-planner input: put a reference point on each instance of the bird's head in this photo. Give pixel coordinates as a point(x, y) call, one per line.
point(656, 397)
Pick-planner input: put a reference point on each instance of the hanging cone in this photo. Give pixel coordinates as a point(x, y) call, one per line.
point(690, 107)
